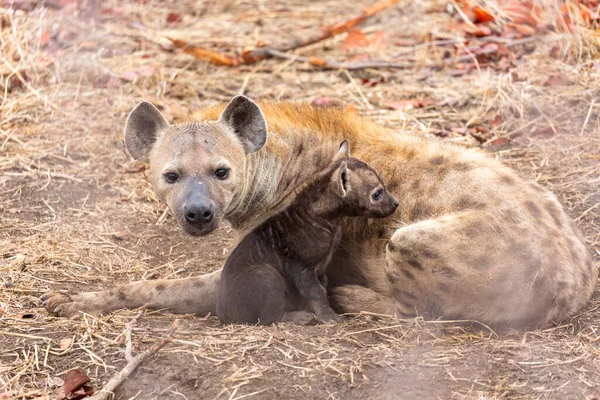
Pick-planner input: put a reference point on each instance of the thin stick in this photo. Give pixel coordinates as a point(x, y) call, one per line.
point(332, 64)
point(252, 54)
point(133, 362)
point(587, 118)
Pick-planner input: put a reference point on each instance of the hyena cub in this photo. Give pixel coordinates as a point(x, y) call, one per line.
point(275, 274)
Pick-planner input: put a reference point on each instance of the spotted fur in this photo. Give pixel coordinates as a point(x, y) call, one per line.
point(470, 239)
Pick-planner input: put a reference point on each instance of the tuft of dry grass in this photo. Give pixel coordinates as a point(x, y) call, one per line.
point(76, 213)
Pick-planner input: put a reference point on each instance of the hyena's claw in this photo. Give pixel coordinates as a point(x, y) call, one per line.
point(59, 304)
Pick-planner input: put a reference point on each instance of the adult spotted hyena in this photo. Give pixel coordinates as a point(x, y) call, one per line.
point(469, 240)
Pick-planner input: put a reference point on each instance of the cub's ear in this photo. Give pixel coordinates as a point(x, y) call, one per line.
point(247, 121)
point(343, 152)
point(143, 126)
point(342, 179)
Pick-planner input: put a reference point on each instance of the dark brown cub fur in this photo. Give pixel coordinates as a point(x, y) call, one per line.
point(275, 273)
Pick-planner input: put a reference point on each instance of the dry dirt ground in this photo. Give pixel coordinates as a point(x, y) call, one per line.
point(77, 213)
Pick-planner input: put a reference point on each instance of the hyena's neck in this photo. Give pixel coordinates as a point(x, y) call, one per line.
point(276, 174)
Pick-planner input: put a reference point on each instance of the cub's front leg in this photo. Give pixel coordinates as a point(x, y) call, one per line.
point(309, 287)
point(195, 295)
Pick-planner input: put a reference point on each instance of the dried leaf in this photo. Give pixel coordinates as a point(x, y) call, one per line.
point(173, 17)
point(426, 102)
point(74, 380)
point(355, 38)
point(496, 121)
point(44, 38)
point(120, 233)
point(205, 54)
point(318, 62)
point(410, 104)
point(377, 41)
point(521, 12)
point(480, 31)
point(401, 105)
point(459, 130)
point(557, 80)
point(373, 81)
point(499, 142)
point(128, 76)
point(146, 70)
point(482, 15)
point(65, 343)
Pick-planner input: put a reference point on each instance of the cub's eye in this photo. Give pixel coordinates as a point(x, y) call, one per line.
point(222, 173)
point(377, 195)
point(171, 177)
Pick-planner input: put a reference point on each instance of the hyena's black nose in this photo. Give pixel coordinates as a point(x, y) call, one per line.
point(198, 212)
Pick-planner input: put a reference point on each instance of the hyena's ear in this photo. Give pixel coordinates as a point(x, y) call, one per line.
point(343, 152)
point(247, 121)
point(341, 179)
point(143, 126)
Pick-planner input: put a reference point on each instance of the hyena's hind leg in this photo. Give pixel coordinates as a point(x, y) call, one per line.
point(197, 295)
point(476, 266)
point(356, 299)
point(500, 270)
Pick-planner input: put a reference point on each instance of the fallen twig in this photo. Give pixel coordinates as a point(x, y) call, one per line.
point(133, 362)
point(252, 54)
point(446, 42)
point(332, 64)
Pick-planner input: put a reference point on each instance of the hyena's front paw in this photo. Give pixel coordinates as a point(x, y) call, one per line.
point(62, 305)
point(329, 317)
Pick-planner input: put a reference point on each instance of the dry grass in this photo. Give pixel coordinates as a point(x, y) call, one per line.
point(76, 212)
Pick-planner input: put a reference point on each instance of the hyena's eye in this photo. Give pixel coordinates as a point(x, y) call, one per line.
point(222, 173)
point(377, 195)
point(171, 177)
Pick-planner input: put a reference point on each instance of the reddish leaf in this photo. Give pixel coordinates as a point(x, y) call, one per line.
point(65, 343)
point(173, 17)
point(480, 31)
point(499, 142)
point(496, 121)
point(521, 12)
point(482, 15)
point(146, 70)
point(410, 104)
point(113, 10)
point(44, 38)
point(502, 50)
point(401, 105)
point(504, 64)
point(557, 80)
point(426, 102)
point(354, 39)
point(456, 129)
point(377, 41)
point(120, 233)
point(128, 76)
point(74, 380)
point(373, 82)
point(524, 30)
